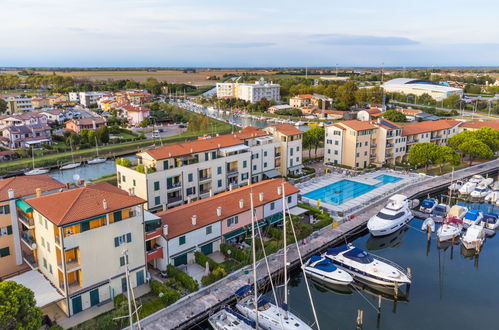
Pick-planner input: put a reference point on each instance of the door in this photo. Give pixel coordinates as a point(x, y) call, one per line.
point(207, 249)
point(76, 302)
point(140, 278)
point(94, 297)
point(180, 260)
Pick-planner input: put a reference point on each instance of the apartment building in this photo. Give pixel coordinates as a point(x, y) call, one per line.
point(438, 131)
point(14, 233)
point(18, 104)
point(25, 136)
point(250, 92)
point(85, 238)
point(179, 173)
point(226, 217)
point(90, 123)
point(87, 98)
point(477, 124)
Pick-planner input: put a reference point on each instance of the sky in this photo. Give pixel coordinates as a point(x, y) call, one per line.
point(256, 33)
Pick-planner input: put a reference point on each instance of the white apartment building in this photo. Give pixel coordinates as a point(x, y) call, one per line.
point(88, 98)
point(179, 173)
point(250, 92)
point(83, 250)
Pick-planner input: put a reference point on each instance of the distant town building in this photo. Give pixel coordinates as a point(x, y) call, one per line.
point(250, 92)
point(368, 114)
point(279, 107)
point(18, 104)
point(419, 87)
point(87, 98)
point(26, 136)
point(90, 123)
point(136, 114)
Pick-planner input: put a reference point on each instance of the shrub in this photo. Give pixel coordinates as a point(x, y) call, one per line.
point(123, 162)
point(324, 218)
point(170, 296)
point(120, 300)
point(188, 282)
point(276, 233)
point(201, 260)
point(235, 253)
point(214, 276)
point(156, 287)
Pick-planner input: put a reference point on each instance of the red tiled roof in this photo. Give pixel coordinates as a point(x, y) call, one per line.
point(477, 124)
point(179, 219)
point(287, 129)
point(26, 185)
point(250, 132)
point(357, 125)
point(304, 96)
point(411, 112)
point(82, 203)
point(88, 121)
point(428, 126)
point(373, 111)
point(132, 108)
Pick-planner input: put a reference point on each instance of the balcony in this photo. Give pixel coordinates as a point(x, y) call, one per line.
point(173, 185)
point(277, 154)
point(57, 240)
point(389, 155)
point(412, 141)
point(389, 145)
point(435, 137)
point(204, 178)
point(373, 145)
point(74, 287)
point(72, 264)
point(28, 222)
point(174, 199)
point(155, 233)
point(156, 253)
point(232, 172)
point(372, 156)
point(28, 239)
point(30, 260)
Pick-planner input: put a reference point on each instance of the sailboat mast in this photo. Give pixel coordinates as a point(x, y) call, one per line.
point(285, 254)
point(253, 251)
point(33, 157)
point(96, 147)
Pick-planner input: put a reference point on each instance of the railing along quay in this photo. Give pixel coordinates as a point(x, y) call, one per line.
point(197, 306)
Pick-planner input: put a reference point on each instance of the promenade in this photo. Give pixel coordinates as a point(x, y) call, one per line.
point(195, 307)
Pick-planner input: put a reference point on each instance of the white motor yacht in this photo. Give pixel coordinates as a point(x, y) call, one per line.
point(480, 191)
point(451, 228)
point(492, 196)
point(227, 319)
point(323, 269)
point(440, 212)
point(476, 178)
point(392, 217)
point(428, 205)
point(366, 267)
point(456, 185)
point(487, 182)
point(474, 237)
point(491, 221)
point(468, 187)
point(37, 171)
point(472, 217)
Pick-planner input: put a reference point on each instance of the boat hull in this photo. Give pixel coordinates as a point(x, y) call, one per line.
point(389, 228)
point(338, 277)
point(70, 166)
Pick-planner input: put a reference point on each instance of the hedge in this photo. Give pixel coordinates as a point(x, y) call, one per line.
point(323, 217)
point(201, 260)
point(214, 276)
point(188, 282)
point(235, 253)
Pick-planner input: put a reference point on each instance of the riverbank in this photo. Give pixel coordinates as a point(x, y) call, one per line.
point(112, 151)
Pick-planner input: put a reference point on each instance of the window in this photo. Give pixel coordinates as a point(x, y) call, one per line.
point(123, 178)
point(336, 142)
point(336, 152)
point(297, 159)
point(206, 156)
point(122, 261)
point(265, 164)
point(5, 209)
point(245, 163)
point(232, 221)
point(43, 242)
point(156, 185)
point(219, 183)
point(290, 162)
point(181, 240)
point(46, 225)
point(84, 226)
point(328, 151)
point(357, 154)
point(264, 154)
point(122, 239)
point(134, 183)
point(219, 170)
point(40, 219)
point(298, 148)
point(290, 198)
point(254, 167)
point(165, 164)
point(213, 155)
point(157, 200)
point(365, 153)
point(336, 133)
point(365, 143)
point(272, 206)
point(117, 216)
point(45, 263)
point(189, 177)
point(50, 269)
point(191, 191)
point(4, 231)
point(208, 230)
point(48, 247)
point(4, 252)
point(291, 151)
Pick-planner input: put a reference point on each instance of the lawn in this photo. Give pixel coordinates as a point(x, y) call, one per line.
point(448, 168)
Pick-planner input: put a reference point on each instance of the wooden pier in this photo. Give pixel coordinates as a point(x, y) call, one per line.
point(196, 307)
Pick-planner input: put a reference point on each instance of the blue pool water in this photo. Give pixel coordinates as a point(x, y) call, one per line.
point(339, 192)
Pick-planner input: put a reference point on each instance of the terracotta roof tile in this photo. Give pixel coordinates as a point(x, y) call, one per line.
point(250, 132)
point(357, 125)
point(82, 203)
point(304, 96)
point(179, 219)
point(26, 185)
point(287, 129)
point(477, 124)
point(428, 126)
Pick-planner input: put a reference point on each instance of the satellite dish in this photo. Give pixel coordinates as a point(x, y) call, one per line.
point(76, 177)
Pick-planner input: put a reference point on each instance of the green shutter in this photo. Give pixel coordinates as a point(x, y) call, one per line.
point(129, 237)
point(122, 261)
point(9, 230)
point(116, 242)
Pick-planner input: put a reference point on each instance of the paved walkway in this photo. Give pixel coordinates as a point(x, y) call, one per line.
point(195, 307)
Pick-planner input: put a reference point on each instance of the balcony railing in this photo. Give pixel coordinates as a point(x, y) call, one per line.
point(74, 286)
point(156, 253)
point(232, 171)
point(28, 222)
point(155, 233)
point(30, 260)
point(205, 191)
point(29, 240)
point(389, 155)
point(72, 264)
point(389, 145)
point(204, 177)
point(373, 145)
point(412, 141)
point(434, 137)
point(277, 154)
point(174, 199)
point(174, 185)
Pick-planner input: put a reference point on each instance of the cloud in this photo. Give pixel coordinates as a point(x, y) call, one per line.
point(361, 40)
point(243, 44)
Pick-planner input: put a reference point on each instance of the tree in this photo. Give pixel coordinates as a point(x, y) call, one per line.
point(395, 116)
point(18, 307)
point(345, 95)
point(91, 136)
point(489, 136)
point(3, 105)
point(446, 155)
point(455, 141)
point(475, 149)
point(452, 101)
point(307, 142)
point(264, 103)
point(422, 154)
point(144, 123)
point(313, 137)
point(84, 135)
point(103, 134)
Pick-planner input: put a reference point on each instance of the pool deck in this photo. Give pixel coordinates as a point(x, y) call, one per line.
point(355, 203)
point(196, 307)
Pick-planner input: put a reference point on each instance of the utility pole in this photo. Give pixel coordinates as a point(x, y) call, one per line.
point(382, 65)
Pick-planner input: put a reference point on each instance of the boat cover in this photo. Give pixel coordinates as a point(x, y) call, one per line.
point(336, 250)
point(490, 218)
point(323, 264)
point(249, 322)
point(428, 203)
point(242, 291)
point(472, 215)
point(359, 255)
point(440, 210)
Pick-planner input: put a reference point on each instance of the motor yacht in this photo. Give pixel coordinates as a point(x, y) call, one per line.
point(456, 185)
point(474, 237)
point(37, 171)
point(492, 196)
point(480, 191)
point(451, 228)
point(428, 205)
point(467, 188)
point(323, 269)
point(227, 319)
point(392, 217)
point(472, 217)
point(366, 267)
point(491, 221)
point(476, 179)
point(457, 211)
point(487, 182)
point(440, 212)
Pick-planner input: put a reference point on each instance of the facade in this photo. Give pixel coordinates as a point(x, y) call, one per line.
point(419, 87)
point(437, 132)
point(224, 218)
point(18, 104)
point(25, 136)
point(184, 172)
point(368, 114)
point(57, 116)
point(275, 108)
point(250, 92)
point(87, 274)
point(14, 233)
point(477, 124)
point(301, 100)
point(88, 98)
point(136, 114)
point(90, 123)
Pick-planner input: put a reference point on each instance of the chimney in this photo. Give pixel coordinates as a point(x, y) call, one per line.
point(11, 193)
point(104, 204)
point(230, 186)
point(191, 150)
point(260, 196)
point(165, 230)
point(169, 154)
point(219, 211)
point(279, 190)
point(38, 192)
point(194, 218)
point(241, 203)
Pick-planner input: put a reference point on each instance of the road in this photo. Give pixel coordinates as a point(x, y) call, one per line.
point(167, 130)
point(478, 115)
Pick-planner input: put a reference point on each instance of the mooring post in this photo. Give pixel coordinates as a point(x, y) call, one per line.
point(396, 289)
point(360, 316)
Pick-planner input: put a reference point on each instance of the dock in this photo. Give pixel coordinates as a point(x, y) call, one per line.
point(196, 307)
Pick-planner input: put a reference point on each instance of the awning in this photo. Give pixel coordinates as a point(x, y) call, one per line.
point(37, 141)
point(234, 234)
point(45, 293)
point(239, 147)
point(259, 224)
point(272, 174)
point(297, 167)
point(24, 206)
point(274, 218)
point(297, 210)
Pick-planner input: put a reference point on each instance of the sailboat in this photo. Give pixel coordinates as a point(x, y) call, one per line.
point(36, 171)
point(97, 159)
point(71, 165)
point(267, 314)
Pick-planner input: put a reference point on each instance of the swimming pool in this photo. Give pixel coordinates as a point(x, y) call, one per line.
point(339, 192)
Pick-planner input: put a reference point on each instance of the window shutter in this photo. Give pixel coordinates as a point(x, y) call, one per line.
point(129, 237)
point(122, 261)
point(9, 230)
point(116, 241)
point(7, 209)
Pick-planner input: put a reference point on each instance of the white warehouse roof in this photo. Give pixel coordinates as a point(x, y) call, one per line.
point(419, 84)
